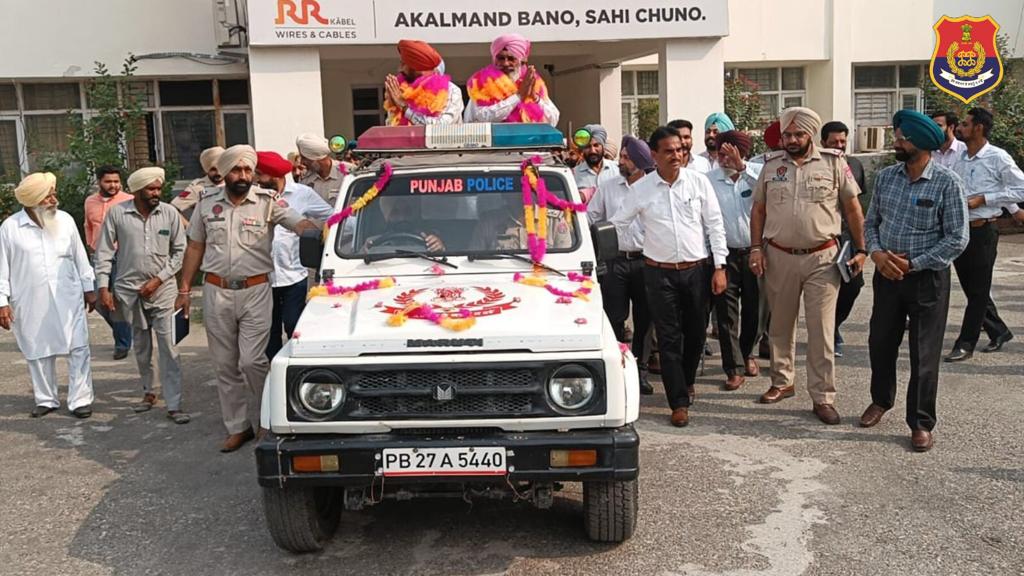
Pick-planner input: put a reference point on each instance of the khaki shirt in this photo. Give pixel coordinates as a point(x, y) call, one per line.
point(329, 187)
point(186, 200)
point(802, 202)
point(503, 230)
point(144, 248)
point(239, 239)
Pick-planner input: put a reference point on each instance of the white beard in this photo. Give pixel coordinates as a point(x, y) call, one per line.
point(47, 216)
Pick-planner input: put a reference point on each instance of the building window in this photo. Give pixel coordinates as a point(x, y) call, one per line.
point(640, 95)
point(367, 108)
point(880, 90)
point(778, 88)
point(180, 119)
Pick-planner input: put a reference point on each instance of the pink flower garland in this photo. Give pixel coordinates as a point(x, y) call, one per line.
point(329, 289)
point(583, 292)
point(363, 200)
point(532, 181)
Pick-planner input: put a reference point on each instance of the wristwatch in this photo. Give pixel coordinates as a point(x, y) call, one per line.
point(861, 251)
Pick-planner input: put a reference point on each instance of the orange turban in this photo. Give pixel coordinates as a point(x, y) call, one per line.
point(418, 56)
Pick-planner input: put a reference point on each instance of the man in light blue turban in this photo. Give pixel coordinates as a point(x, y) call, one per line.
point(715, 123)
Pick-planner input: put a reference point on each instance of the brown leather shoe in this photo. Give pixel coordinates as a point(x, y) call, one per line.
point(235, 441)
point(827, 414)
point(752, 369)
point(775, 394)
point(680, 417)
point(921, 440)
point(734, 382)
point(871, 416)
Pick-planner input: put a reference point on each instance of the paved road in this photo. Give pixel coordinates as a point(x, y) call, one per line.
point(745, 490)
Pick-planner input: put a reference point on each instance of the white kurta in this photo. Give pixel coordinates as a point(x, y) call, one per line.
point(42, 278)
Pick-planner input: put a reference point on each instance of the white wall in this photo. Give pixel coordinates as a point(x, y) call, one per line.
point(777, 30)
point(63, 38)
point(286, 96)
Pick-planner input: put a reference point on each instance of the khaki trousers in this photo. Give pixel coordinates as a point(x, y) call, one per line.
point(238, 327)
point(815, 277)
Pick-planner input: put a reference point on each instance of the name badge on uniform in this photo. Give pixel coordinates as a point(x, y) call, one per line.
point(746, 193)
point(249, 221)
point(164, 232)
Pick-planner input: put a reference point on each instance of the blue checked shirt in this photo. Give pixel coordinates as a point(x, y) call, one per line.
point(925, 219)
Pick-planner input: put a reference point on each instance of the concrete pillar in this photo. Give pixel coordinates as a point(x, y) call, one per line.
point(286, 96)
point(830, 83)
point(691, 78)
point(610, 96)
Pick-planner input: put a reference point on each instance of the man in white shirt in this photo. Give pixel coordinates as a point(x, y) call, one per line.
point(623, 285)
point(289, 278)
point(951, 149)
point(690, 160)
point(737, 310)
point(680, 215)
point(595, 167)
point(991, 180)
point(44, 275)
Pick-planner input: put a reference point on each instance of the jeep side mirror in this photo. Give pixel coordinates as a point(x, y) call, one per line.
point(606, 241)
point(311, 248)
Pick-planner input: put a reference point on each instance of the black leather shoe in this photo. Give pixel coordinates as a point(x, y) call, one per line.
point(82, 412)
point(40, 411)
point(959, 355)
point(120, 353)
point(996, 344)
point(645, 387)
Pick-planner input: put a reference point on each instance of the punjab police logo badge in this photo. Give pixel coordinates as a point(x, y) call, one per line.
point(966, 61)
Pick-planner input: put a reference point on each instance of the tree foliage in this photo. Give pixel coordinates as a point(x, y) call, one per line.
point(745, 107)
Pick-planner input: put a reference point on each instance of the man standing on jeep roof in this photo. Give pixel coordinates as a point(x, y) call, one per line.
point(231, 235)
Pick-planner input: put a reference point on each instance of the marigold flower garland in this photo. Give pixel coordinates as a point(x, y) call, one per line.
point(421, 311)
point(426, 95)
point(490, 85)
point(583, 292)
point(537, 230)
point(362, 201)
point(329, 289)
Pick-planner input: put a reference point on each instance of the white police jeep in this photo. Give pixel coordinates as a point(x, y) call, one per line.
point(435, 359)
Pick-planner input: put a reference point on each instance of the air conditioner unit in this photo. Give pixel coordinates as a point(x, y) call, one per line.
point(229, 23)
point(873, 138)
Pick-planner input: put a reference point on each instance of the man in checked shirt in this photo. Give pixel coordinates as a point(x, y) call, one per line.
point(915, 227)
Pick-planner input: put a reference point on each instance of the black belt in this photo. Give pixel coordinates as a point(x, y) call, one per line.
point(739, 251)
point(632, 255)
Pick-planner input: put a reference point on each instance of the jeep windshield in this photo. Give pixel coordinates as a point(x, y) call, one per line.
point(450, 213)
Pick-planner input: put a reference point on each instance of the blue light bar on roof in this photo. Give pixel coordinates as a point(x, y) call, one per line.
point(459, 137)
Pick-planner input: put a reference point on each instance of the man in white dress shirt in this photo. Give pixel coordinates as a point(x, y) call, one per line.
point(289, 278)
point(44, 273)
point(950, 151)
point(623, 286)
point(690, 160)
point(737, 310)
point(991, 180)
point(680, 215)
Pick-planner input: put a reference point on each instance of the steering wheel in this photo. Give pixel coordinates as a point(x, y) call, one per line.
point(392, 238)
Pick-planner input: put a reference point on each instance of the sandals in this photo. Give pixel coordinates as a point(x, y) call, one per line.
point(146, 405)
point(179, 417)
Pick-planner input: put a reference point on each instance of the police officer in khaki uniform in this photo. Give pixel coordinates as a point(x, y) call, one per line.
point(186, 200)
point(505, 228)
point(323, 173)
point(796, 212)
point(232, 236)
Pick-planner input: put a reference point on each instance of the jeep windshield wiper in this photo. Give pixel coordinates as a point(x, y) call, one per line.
point(519, 257)
point(442, 260)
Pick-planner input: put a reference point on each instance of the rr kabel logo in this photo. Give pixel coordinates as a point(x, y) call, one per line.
point(289, 9)
point(966, 61)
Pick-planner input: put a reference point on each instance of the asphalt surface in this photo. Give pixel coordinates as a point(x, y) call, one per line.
point(745, 490)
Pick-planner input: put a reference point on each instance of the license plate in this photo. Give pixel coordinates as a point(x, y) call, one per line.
point(465, 461)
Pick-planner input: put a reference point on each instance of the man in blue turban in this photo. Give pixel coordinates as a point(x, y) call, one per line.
point(919, 129)
point(715, 123)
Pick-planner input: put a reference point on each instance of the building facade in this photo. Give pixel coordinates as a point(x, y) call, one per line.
point(263, 71)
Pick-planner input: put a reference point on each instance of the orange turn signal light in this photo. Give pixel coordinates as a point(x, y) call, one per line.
point(318, 463)
point(573, 458)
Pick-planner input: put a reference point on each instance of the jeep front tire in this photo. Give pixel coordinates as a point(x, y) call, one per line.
point(302, 519)
point(610, 510)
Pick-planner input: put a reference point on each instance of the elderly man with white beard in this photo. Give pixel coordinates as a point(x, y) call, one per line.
point(44, 273)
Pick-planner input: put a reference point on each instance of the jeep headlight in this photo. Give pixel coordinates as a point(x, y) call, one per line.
point(571, 387)
point(321, 392)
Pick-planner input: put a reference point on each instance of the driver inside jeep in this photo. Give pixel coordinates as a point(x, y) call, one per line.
point(504, 228)
point(403, 226)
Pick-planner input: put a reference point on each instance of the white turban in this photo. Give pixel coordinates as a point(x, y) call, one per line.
point(312, 146)
point(804, 118)
point(238, 155)
point(34, 188)
point(144, 177)
point(208, 158)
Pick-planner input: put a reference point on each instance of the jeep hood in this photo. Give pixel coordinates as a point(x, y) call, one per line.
point(509, 317)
